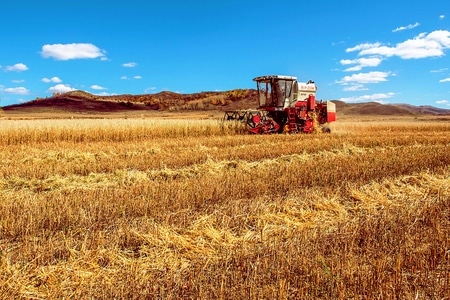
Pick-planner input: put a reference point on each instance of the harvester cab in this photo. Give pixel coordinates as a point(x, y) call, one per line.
point(278, 92)
point(286, 105)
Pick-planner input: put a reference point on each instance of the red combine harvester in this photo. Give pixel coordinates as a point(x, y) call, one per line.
point(286, 105)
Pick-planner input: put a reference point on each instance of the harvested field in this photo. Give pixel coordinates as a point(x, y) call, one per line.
point(194, 209)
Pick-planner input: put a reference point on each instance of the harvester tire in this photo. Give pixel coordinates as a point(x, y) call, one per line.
point(326, 129)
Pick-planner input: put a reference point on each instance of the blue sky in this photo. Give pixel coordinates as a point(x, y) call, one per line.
point(392, 51)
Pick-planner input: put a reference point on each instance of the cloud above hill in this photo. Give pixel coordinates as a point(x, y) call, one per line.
point(379, 97)
point(410, 26)
point(53, 79)
point(370, 77)
point(129, 65)
point(60, 88)
point(361, 63)
point(72, 51)
point(98, 87)
point(424, 45)
point(17, 91)
point(20, 67)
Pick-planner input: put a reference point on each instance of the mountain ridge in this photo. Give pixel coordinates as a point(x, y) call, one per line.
point(238, 99)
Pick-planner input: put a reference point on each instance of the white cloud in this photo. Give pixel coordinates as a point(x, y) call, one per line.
point(422, 46)
point(134, 77)
point(363, 46)
point(129, 65)
point(347, 61)
point(410, 26)
point(18, 81)
point(53, 79)
point(370, 77)
point(355, 87)
point(368, 98)
point(441, 102)
point(97, 87)
point(439, 70)
point(60, 88)
point(150, 89)
point(105, 94)
point(17, 91)
point(71, 51)
point(17, 68)
point(361, 63)
point(445, 80)
point(441, 17)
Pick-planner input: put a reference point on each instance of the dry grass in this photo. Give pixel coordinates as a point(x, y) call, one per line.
point(170, 209)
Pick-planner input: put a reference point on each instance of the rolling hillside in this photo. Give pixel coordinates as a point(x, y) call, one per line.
point(83, 102)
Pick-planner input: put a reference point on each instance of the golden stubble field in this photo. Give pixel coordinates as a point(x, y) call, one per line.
point(147, 208)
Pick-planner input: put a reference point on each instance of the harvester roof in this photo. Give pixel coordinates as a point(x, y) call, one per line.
point(268, 78)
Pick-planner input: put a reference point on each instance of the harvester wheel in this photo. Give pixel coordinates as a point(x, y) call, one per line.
point(326, 129)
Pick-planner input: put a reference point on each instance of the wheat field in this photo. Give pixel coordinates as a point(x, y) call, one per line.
point(147, 208)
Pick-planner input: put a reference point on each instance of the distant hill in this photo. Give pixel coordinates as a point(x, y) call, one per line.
point(83, 102)
point(375, 108)
point(80, 101)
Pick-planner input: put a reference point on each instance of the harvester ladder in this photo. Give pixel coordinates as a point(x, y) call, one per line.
point(291, 116)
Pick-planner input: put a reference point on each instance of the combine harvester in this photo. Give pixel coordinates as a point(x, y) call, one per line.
point(286, 105)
